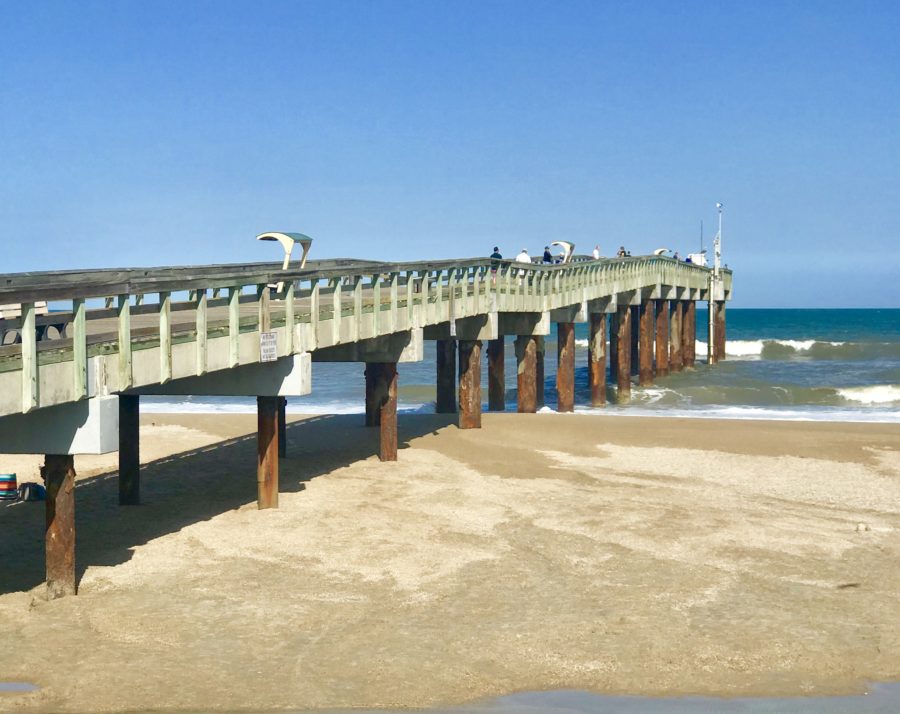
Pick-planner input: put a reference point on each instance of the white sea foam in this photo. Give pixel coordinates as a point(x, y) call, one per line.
point(874, 394)
point(752, 413)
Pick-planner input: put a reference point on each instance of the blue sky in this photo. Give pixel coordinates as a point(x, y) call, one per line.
point(172, 133)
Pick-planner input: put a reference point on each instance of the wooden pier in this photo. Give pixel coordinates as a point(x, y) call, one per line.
point(71, 376)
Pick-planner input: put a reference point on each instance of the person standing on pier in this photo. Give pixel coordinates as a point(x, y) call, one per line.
point(495, 263)
point(548, 256)
point(596, 252)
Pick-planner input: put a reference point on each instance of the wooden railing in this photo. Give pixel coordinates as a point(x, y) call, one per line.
point(122, 312)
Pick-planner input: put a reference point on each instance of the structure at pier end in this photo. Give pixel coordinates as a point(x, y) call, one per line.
point(72, 374)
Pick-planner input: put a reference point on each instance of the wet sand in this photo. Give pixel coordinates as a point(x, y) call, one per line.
point(614, 555)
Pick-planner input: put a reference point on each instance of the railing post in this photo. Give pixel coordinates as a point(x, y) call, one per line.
point(29, 358)
point(126, 378)
point(79, 348)
point(289, 317)
point(165, 337)
point(202, 332)
point(234, 326)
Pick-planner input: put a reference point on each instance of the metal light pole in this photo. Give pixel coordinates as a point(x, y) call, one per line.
point(714, 290)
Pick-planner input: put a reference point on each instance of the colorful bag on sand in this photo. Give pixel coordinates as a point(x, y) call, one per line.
point(8, 490)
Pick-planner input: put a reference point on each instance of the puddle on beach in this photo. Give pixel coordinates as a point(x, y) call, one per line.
point(18, 687)
point(880, 699)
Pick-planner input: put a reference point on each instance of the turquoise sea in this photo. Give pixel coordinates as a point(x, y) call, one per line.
point(837, 365)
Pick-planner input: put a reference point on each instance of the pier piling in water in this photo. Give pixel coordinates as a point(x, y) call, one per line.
point(645, 350)
point(623, 354)
point(634, 325)
point(689, 334)
point(446, 376)
point(675, 354)
point(496, 375)
point(565, 367)
point(662, 338)
point(526, 374)
point(539, 371)
point(597, 358)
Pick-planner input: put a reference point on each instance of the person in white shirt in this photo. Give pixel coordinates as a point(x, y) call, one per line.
point(596, 252)
point(523, 257)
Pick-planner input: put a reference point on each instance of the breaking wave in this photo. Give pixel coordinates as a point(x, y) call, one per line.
point(799, 349)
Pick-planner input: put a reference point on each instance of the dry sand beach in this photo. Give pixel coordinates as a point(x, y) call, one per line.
point(624, 555)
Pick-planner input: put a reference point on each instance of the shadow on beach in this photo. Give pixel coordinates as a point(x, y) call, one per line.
point(186, 488)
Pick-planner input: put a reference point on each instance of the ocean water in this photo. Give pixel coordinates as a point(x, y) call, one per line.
point(837, 365)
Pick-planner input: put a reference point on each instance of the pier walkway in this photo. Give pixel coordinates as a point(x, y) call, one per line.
point(72, 373)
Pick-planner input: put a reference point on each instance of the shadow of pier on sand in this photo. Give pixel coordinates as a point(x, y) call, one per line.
point(187, 488)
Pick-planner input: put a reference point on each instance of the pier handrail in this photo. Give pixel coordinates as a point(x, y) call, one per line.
point(329, 302)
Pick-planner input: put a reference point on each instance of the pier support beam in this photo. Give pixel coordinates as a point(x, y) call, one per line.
point(526, 374)
point(470, 384)
point(623, 354)
point(597, 358)
point(282, 427)
point(614, 348)
point(539, 372)
point(129, 450)
point(689, 333)
point(446, 377)
point(711, 333)
point(267, 452)
point(675, 354)
point(496, 375)
point(720, 329)
point(645, 351)
point(565, 367)
point(662, 338)
point(384, 376)
point(635, 338)
point(58, 473)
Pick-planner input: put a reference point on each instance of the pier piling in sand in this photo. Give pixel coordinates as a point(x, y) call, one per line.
point(470, 384)
point(129, 450)
point(597, 358)
point(58, 473)
point(267, 452)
